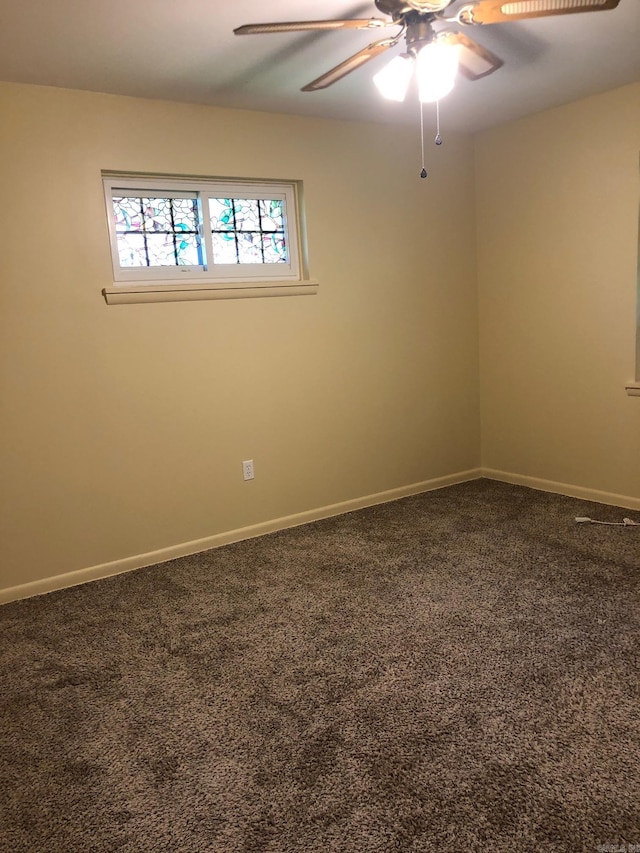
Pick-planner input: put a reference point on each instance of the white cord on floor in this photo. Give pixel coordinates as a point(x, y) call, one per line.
point(626, 522)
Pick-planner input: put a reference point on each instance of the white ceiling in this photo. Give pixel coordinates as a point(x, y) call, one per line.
point(186, 51)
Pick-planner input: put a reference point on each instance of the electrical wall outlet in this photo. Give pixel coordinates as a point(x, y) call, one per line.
point(247, 469)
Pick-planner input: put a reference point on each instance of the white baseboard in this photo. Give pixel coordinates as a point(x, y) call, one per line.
point(116, 567)
point(562, 489)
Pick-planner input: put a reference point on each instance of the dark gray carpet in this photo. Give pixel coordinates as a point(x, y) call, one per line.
point(456, 671)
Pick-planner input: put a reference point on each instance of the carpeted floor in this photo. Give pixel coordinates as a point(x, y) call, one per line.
point(455, 671)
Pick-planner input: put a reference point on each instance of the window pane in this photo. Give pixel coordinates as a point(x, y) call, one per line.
point(275, 249)
point(127, 213)
point(185, 214)
point(161, 250)
point(247, 215)
point(188, 250)
point(271, 214)
point(249, 248)
point(224, 249)
point(131, 250)
point(157, 214)
point(221, 213)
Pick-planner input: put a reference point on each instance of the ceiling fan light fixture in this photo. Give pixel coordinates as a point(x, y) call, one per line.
point(436, 69)
point(393, 80)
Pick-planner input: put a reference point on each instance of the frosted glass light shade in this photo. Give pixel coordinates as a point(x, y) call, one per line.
point(393, 80)
point(436, 69)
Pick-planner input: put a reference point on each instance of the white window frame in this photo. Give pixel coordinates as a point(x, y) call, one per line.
point(187, 281)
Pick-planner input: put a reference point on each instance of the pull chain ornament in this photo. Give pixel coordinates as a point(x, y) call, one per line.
point(423, 173)
point(438, 139)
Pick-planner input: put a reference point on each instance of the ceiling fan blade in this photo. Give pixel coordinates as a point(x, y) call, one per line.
point(301, 26)
point(475, 60)
point(497, 11)
point(349, 65)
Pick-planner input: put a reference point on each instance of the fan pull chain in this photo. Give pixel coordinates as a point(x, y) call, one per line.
point(423, 173)
point(438, 137)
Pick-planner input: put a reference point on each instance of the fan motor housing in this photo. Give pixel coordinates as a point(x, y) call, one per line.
point(419, 33)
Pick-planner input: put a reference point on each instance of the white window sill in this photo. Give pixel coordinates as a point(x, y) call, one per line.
point(633, 389)
point(126, 294)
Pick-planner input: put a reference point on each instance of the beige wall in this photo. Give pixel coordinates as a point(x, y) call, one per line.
point(557, 234)
point(123, 427)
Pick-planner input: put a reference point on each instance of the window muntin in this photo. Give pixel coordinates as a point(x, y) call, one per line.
point(202, 231)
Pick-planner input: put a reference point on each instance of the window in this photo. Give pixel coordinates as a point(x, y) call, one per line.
point(633, 388)
point(200, 234)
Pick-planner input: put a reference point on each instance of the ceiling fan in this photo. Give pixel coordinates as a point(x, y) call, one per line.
point(416, 19)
